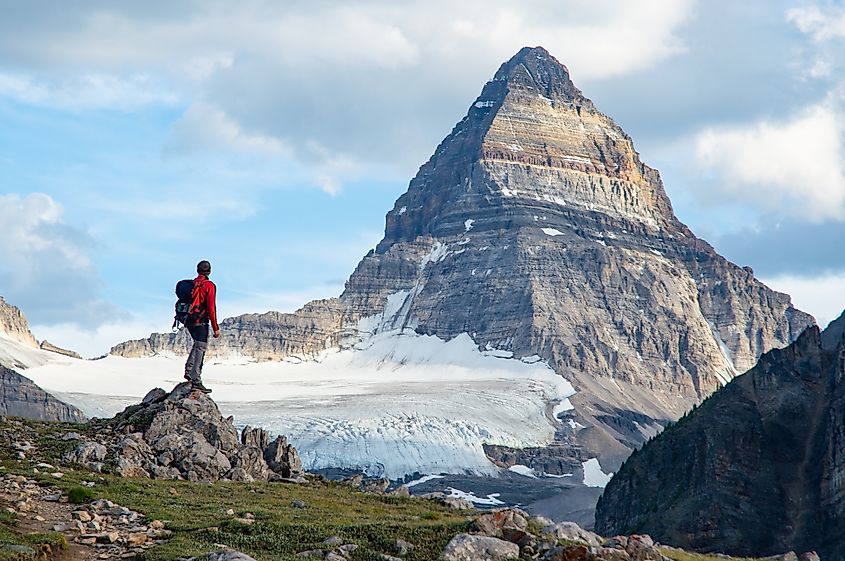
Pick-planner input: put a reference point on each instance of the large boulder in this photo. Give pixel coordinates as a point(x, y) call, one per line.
point(468, 547)
point(182, 435)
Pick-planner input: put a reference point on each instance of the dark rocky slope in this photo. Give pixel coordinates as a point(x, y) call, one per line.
point(20, 397)
point(758, 468)
point(536, 229)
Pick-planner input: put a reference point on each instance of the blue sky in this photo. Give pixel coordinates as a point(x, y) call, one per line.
point(272, 138)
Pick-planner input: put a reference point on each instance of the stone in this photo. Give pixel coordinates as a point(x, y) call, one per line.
point(809, 556)
point(458, 504)
point(107, 537)
point(136, 539)
point(311, 553)
point(159, 525)
point(569, 553)
point(226, 555)
point(402, 548)
point(255, 437)
point(468, 547)
point(298, 504)
point(613, 554)
point(333, 541)
point(572, 532)
point(641, 548)
point(154, 395)
point(331, 556)
point(81, 515)
point(378, 486)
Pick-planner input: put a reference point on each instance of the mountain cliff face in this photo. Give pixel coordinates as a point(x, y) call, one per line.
point(19, 397)
point(14, 325)
point(757, 468)
point(536, 229)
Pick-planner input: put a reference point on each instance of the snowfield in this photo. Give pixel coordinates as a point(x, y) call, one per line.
point(395, 404)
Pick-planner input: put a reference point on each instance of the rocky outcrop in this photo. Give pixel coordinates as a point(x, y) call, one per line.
point(20, 397)
point(536, 229)
point(182, 435)
point(48, 346)
point(14, 324)
point(758, 468)
point(269, 336)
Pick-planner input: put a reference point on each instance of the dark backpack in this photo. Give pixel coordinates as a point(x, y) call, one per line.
point(184, 293)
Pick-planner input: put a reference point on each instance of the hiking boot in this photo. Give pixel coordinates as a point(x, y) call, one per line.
point(199, 387)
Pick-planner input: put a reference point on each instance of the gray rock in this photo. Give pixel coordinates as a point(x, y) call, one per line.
point(182, 435)
point(402, 547)
point(283, 458)
point(224, 555)
point(48, 346)
point(572, 532)
point(256, 437)
point(155, 394)
point(86, 453)
point(467, 547)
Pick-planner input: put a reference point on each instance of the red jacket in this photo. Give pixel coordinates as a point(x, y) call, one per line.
point(203, 302)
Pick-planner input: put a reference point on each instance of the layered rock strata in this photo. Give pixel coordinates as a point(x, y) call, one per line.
point(20, 397)
point(758, 468)
point(536, 229)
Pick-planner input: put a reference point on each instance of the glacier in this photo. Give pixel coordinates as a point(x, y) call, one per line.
point(394, 404)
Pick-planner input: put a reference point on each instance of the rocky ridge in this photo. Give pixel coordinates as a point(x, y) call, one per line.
point(758, 467)
point(536, 229)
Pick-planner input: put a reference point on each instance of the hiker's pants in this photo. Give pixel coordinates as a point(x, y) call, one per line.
point(193, 366)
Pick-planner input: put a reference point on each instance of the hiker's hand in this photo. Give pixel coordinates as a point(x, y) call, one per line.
point(216, 334)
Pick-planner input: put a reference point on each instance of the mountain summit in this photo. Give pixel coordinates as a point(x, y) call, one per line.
point(536, 232)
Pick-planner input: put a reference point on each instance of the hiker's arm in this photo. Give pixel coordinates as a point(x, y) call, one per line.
point(212, 308)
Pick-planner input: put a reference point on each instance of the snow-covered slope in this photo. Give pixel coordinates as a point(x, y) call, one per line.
point(18, 355)
point(394, 404)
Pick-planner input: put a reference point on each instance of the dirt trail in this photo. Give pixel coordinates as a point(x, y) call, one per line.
point(100, 530)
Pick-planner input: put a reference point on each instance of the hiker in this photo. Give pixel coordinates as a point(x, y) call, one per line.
point(203, 310)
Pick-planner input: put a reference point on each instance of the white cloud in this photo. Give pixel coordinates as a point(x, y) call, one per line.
point(45, 267)
point(339, 74)
point(89, 91)
point(822, 296)
point(204, 127)
point(822, 25)
point(794, 167)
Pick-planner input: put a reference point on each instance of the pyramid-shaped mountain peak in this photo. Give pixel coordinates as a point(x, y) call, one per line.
point(534, 68)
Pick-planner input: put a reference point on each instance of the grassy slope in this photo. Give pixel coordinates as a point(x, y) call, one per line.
point(197, 512)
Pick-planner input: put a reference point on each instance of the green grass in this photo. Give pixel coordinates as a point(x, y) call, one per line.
point(678, 555)
point(196, 512)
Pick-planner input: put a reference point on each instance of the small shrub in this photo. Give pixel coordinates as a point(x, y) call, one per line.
point(80, 495)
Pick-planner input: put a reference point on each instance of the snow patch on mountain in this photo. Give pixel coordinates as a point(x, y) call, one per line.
point(394, 404)
point(593, 475)
point(17, 355)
